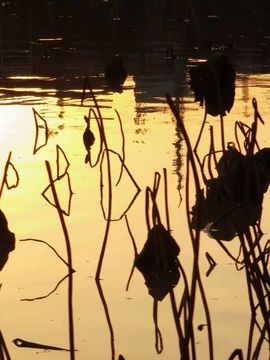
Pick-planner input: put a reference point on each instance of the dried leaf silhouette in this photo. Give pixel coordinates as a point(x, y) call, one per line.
point(63, 184)
point(158, 262)
point(212, 263)
point(61, 161)
point(10, 171)
point(126, 177)
point(28, 344)
point(40, 123)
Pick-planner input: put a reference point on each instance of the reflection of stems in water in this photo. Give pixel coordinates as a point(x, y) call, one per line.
point(92, 165)
point(5, 175)
point(184, 305)
point(158, 335)
point(70, 193)
point(135, 251)
point(109, 213)
point(183, 349)
point(156, 220)
point(123, 146)
point(103, 138)
point(166, 199)
point(153, 193)
point(256, 282)
point(4, 354)
point(106, 153)
point(257, 276)
point(172, 297)
point(69, 256)
point(108, 222)
point(123, 166)
point(196, 278)
point(197, 144)
point(50, 293)
point(155, 213)
point(106, 310)
point(195, 239)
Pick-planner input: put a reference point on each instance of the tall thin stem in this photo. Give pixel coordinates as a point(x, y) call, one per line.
point(69, 258)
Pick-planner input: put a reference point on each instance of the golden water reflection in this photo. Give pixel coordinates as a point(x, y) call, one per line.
point(108, 320)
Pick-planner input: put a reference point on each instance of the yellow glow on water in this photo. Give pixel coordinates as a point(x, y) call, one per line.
point(195, 60)
point(30, 78)
point(26, 89)
point(152, 143)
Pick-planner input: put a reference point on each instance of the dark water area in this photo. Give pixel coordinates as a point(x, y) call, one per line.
point(155, 38)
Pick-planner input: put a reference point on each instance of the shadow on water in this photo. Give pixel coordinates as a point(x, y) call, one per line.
point(7, 237)
point(7, 240)
point(116, 73)
point(158, 260)
point(88, 139)
point(233, 199)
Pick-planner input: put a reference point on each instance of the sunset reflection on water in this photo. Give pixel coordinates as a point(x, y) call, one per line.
point(152, 142)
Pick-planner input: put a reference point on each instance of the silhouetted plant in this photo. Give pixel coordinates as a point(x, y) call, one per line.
point(61, 177)
point(69, 260)
point(7, 240)
point(50, 246)
point(213, 85)
point(4, 353)
point(187, 342)
point(38, 118)
point(29, 344)
point(107, 315)
point(158, 261)
point(116, 73)
point(104, 153)
point(88, 139)
point(9, 166)
point(233, 206)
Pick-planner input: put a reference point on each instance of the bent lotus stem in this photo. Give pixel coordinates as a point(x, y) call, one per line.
point(69, 257)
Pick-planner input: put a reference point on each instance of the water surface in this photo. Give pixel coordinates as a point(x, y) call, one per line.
point(108, 320)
